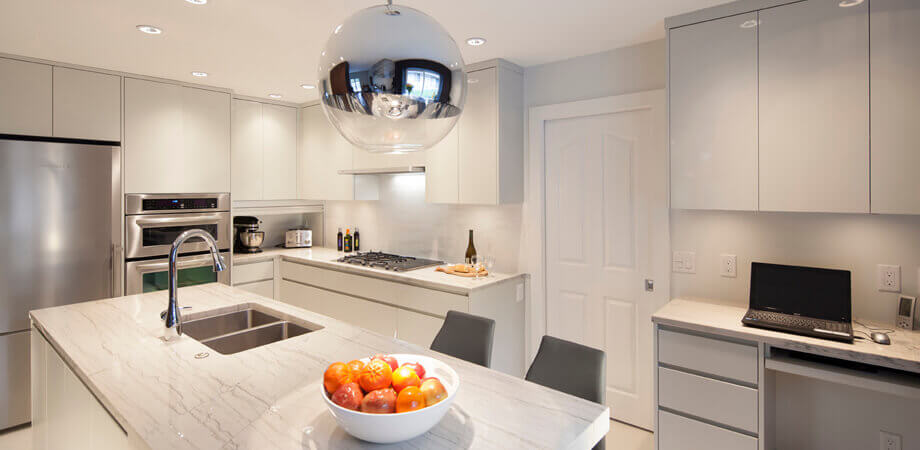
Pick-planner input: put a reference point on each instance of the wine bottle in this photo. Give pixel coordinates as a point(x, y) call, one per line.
point(357, 240)
point(470, 250)
point(347, 241)
point(338, 240)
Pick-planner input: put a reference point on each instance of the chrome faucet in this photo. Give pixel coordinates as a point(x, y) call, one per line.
point(173, 317)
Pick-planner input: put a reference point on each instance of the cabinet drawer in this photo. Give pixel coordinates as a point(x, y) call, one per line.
point(430, 301)
point(713, 356)
point(680, 433)
point(264, 288)
point(247, 273)
point(419, 329)
point(718, 401)
point(354, 311)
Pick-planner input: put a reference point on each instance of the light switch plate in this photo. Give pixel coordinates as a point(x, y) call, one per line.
point(889, 278)
point(728, 267)
point(889, 441)
point(684, 262)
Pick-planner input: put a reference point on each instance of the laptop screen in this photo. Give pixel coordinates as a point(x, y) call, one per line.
point(805, 291)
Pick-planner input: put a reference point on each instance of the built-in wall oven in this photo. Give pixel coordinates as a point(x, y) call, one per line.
point(152, 223)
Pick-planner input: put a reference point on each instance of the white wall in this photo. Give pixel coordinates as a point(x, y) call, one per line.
point(401, 222)
point(855, 242)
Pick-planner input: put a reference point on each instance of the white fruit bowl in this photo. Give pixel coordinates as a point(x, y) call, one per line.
point(398, 427)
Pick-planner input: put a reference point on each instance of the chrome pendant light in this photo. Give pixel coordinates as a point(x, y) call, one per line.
point(391, 79)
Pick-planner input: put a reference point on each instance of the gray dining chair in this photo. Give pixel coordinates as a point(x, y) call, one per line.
point(571, 368)
point(467, 337)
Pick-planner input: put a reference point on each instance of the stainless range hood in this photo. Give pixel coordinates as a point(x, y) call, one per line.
point(384, 170)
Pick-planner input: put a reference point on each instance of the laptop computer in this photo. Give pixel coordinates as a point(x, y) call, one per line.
point(802, 300)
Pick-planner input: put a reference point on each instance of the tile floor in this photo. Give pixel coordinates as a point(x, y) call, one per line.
point(620, 437)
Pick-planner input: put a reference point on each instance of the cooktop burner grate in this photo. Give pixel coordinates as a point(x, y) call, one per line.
point(388, 261)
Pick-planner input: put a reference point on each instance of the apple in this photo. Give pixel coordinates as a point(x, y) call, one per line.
point(419, 370)
point(388, 359)
point(348, 396)
point(381, 401)
point(433, 391)
point(404, 377)
point(410, 399)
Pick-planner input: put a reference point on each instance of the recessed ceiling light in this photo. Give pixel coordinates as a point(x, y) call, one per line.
point(849, 3)
point(308, 86)
point(149, 29)
point(338, 28)
point(476, 41)
point(749, 24)
point(274, 95)
point(197, 2)
point(199, 74)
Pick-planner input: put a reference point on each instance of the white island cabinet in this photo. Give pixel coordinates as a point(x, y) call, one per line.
point(177, 138)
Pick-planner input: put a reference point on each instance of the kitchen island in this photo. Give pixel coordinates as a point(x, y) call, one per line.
point(147, 392)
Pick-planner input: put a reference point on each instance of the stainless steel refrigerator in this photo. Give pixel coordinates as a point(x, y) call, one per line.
point(60, 206)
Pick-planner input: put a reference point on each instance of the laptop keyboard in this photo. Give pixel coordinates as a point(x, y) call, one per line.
point(805, 323)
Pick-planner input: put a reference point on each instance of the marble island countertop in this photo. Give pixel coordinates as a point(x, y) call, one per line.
point(426, 277)
point(725, 320)
point(269, 397)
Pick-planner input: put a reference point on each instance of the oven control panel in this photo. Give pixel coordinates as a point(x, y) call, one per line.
point(168, 204)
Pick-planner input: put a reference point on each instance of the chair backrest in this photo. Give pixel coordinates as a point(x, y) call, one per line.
point(571, 368)
point(467, 337)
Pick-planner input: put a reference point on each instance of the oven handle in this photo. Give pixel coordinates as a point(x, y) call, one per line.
point(198, 261)
point(193, 220)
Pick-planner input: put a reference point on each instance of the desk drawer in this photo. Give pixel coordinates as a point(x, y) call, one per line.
point(680, 433)
point(248, 273)
point(718, 401)
point(724, 359)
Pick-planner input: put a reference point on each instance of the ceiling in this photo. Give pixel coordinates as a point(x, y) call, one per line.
point(258, 47)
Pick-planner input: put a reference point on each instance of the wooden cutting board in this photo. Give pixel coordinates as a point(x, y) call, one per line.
point(450, 270)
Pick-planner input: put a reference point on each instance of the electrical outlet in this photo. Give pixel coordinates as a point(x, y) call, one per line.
point(889, 278)
point(684, 262)
point(729, 266)
point(889, 441)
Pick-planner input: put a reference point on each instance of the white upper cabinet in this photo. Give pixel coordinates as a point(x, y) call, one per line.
point(895, 65)
point(246, 151)
point(177, 138)
point(487, 165)
point(264, 151)
point(814, 107)
point(87, 105)
point(25, 98)
point(323, 152)
point(713, 114)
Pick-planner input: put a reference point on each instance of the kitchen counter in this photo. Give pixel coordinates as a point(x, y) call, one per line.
point(425, 277)
point(269, 397)
point(725, 320)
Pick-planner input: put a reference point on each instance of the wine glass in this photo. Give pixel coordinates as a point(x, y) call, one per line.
point(488, 262)
point(476, 262)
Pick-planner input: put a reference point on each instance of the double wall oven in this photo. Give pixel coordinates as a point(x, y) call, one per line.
point(152, 223)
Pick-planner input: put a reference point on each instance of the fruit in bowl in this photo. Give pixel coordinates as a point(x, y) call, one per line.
point(375, 403)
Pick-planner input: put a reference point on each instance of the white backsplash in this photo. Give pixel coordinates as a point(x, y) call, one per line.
point(402, 222)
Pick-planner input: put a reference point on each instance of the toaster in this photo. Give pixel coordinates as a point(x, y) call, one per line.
point(298, 238)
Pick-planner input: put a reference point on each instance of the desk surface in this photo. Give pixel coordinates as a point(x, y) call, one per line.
point(725, 320)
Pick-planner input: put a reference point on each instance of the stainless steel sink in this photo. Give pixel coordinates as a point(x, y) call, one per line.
point(245, 329)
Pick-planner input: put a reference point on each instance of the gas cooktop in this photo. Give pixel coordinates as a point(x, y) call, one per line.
point(388, 261)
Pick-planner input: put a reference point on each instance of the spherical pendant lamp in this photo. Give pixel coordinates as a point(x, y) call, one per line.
point(391, 79)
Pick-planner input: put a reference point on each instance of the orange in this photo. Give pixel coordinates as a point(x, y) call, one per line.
point(336, 375)
point(356, 366)
point(410, 399)
point(377, 374)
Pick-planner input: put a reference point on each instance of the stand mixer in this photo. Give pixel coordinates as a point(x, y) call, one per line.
point(248, 237)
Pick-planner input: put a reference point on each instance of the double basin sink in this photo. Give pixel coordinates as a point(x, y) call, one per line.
point(246, 329)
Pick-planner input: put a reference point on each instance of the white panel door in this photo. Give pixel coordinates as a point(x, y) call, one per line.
point(713, 108)
point(87, 105)
point(323, 153)
point(153, 144)
point(441, 183)
point(478, 160)
point(895, 63)
point(606, 221)
point(246, 151)
point(814, 107)
point(25, 98)
point(279, 147)
point(205, 140)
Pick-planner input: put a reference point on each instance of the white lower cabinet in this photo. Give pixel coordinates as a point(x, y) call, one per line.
point(65, 414)
point(264, 288)
point(373, 316)
point(417, 328)
point(681, 433)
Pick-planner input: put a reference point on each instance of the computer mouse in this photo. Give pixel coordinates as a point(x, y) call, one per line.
point(880, 338)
